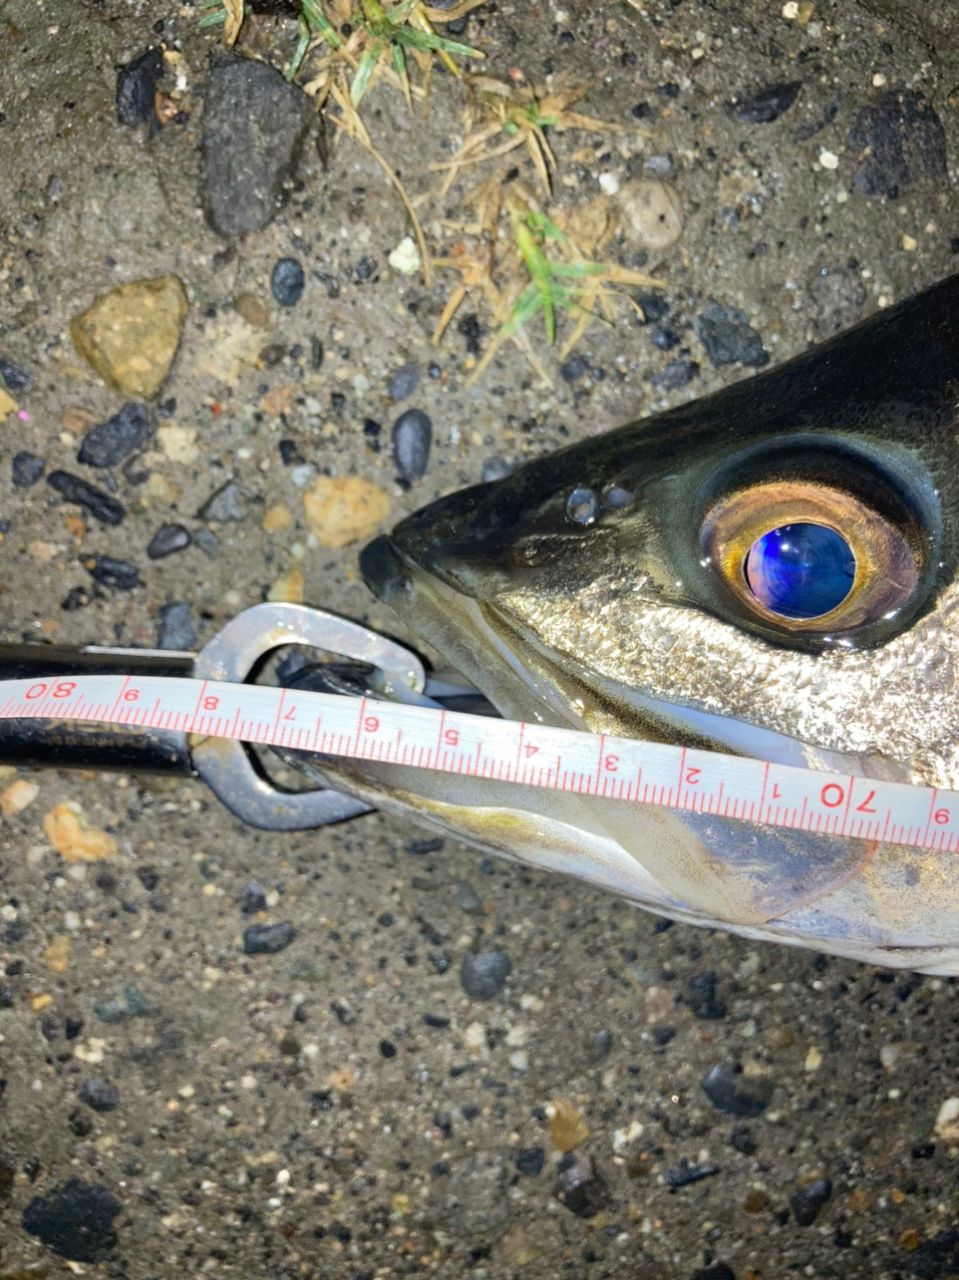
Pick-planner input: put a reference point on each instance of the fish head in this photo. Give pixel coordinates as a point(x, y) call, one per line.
point(770, 571)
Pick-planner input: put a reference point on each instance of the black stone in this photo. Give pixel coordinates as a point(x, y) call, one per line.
point(684, 1175)
point(254, 123)
point(99, 1094)
point(663, 1035)
point(229, 502)
point(703, 999)
point(766, 104)
point(75, 1220)
point(80, 1123)
point(728, 336)
point(110, 572)
point(175, 627)
point(483, 974)
point(574, 368)
point(665, 338)
point(75, 489)
point(934, 1258)
point(678, 373)
point(741, 1139)
point(718, 1271)
point(602, 1044)
point(136, 86)
point(366, 269)
point(168, 539)
point(737, 1094)
point(387, 1049)
point(902, 142)
point(26, 469)
point(108, 443)
point(14, 377)
point(287, 282)
point(412, 438)
point(807, 1202)
point(581, 1187)
point(267, 939)
point(404, 382)
point(530, 1161)
point(432, 844)
point(253, 899)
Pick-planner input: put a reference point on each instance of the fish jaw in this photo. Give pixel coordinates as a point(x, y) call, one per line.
point(609, 628)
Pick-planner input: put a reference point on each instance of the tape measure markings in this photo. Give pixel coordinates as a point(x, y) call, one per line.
point(542, 756)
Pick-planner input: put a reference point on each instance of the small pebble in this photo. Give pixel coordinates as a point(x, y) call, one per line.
point(765, 105)
point(136, 87)
point(75, 489)
point(677, 373)
point(467, 899)
point(253, 310)
point(703, 999)
point(483, 974)
point(657, 166)
point(253, 899)
point(176, 629)
point(652, 213)
point(653, 307)
point(602, 1044)
point(807, 1202)
point(110, 572)
point(581, 1187)
point(99, 1094)
point(574, 368)
point(14, 377)
point(736, 1093)
point(287, 282)
point(685, 1174)
point(267, 939)
point(728, 336)
point(530, 1161)
point(412, 438)
point(75, 1220)
point(665, 338)
point(404, 382)
point(26, 469)
point(229, 502)
point(168, 539)
point(130, 1003)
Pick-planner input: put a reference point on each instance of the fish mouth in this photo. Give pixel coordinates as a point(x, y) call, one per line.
point(440, 569)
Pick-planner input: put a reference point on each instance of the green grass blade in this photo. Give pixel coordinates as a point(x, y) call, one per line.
point(317, 21)
point(430, 42)
point(523, 310)
point(364, 73)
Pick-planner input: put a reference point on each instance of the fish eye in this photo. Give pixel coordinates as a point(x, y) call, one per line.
point(800, 570)
point(802, 556)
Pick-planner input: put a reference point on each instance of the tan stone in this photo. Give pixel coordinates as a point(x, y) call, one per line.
point(567, 1125)
point(651, 213)
point(131, 334)
point(66, 829)
point(344, 509)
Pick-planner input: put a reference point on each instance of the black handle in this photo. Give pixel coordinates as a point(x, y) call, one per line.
point(72, 744)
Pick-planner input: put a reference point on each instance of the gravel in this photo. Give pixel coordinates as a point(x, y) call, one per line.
point(735, 1093)
point(111, 572)
point(728, 336)
point(267, 939)
point(767, 104)
point(254, 126)
point(137, 82)
point(110, 442)
point(81, 493)
point(26, 469)
point(483, 974)
point(75, 1220)
point(99, 1094)
point(176, 628)
point(412, 438)
point(168, 539)
point(287, 282)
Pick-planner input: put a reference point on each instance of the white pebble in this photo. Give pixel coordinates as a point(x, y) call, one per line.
point(609, 183)
point(405, 258)
point(828, 159)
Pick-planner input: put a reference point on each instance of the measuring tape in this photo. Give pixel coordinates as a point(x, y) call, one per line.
point(563, 760)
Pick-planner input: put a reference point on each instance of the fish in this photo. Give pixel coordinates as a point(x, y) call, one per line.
point(769, 571)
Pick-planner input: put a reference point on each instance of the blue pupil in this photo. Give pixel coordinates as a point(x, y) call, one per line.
point(800, 570)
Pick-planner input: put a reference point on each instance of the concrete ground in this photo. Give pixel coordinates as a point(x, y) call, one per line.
point(172, 1105)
